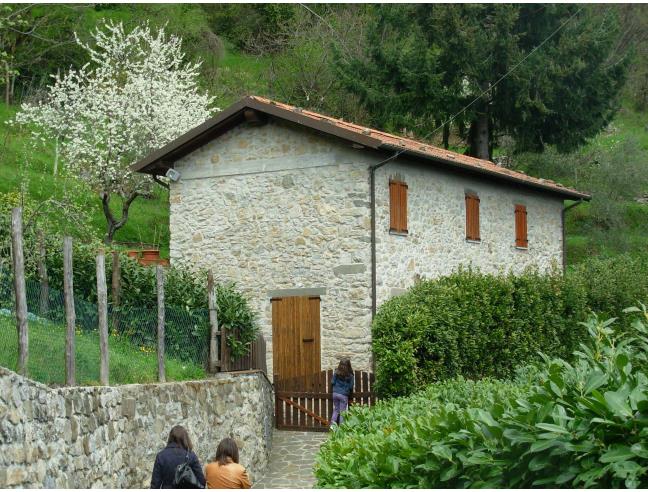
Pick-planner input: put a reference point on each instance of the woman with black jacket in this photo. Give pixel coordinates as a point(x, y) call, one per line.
point(177, 452)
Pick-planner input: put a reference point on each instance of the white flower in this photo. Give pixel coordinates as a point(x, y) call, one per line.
point(136, 94)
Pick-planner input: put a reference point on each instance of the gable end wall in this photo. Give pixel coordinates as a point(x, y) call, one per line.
point(280, 211)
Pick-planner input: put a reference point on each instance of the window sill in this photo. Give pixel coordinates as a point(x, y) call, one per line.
point(474, 241)
point(522, 248)
point(398, 233)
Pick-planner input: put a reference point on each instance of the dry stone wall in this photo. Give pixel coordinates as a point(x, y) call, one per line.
point(107, 437)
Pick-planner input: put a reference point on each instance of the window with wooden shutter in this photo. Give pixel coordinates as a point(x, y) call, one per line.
point(472, 217)
point(521, 240)
point(398, 207)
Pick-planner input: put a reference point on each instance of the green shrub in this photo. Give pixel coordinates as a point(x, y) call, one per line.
point(613, 283)
point(187, 316)
point(396, 443)
point(577, 425)
point(474, 325)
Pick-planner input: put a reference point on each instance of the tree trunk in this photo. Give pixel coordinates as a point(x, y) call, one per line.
point(446, 135)
point(56, 156)
point(479, 137)
point(112, 224)
point(7, 84)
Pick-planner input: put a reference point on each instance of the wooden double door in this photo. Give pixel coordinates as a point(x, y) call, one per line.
point(295, 336)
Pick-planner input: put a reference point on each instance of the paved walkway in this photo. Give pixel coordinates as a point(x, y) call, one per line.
point(291, 460)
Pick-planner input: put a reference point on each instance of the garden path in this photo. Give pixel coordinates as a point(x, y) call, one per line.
point(291, 460)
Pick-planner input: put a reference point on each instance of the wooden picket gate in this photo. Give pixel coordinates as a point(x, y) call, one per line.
point(306, 402)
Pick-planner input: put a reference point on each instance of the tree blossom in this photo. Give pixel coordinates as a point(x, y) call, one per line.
point(136, 94)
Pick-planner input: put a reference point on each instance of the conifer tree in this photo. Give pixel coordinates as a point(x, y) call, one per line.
point(427, 62)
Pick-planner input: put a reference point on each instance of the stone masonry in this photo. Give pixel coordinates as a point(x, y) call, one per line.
point(278, 208)
point(436, 242)
point(301, 223)
point(107, 437)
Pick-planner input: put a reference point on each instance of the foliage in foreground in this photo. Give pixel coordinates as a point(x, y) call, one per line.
point(575, 425)
point(474, 325)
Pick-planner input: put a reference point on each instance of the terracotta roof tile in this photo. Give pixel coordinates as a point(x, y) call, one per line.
point(407, 144)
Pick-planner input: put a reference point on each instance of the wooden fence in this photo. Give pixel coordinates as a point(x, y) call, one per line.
point(219, 358)
point(306, 402)
point(255, 359)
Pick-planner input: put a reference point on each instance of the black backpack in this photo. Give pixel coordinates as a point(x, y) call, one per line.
point(185, 478)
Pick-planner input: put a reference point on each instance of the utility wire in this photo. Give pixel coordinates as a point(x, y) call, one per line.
point(509, 72)
point(503, 76)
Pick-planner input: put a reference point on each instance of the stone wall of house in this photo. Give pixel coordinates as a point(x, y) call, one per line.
point(107, 437)
point(436, 241)
point(282, 212)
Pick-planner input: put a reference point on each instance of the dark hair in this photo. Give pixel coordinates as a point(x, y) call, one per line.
point(344, 369)
point(180, 436)
point(227, 448)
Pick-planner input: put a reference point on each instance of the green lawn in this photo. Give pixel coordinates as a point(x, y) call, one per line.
point(128, 363)
point(24, 166)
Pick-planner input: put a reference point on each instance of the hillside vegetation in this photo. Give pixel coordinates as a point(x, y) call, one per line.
point(287, 52)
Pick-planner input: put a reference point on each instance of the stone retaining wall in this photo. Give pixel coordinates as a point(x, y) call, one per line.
point(108, 437)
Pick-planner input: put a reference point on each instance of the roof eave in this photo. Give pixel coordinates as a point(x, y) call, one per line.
point(565, 193)
point(150, 163)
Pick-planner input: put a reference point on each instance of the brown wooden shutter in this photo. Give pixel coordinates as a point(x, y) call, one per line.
point(397, 207)
point(472, 217)
point(393, 206)
point(521, 239)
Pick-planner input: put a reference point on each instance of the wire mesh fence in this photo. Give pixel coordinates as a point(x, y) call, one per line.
point(132, 341)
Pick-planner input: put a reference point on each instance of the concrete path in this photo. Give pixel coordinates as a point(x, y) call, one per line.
point(291, 460)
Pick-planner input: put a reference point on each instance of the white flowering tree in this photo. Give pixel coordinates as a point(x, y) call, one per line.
point(135, 94)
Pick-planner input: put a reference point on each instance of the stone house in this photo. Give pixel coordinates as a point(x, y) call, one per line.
point(319, 221)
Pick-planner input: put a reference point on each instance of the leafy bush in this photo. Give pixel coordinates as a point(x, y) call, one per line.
point(577, 425)
point(396, 443)
point(474, 325)
point(187, 316)
point(613, 283)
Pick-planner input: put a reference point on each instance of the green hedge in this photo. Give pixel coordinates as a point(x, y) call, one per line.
point(612, 283)
point(475, 325)
point(563, 425)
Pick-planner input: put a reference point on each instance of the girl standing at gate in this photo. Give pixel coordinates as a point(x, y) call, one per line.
point(342, 388)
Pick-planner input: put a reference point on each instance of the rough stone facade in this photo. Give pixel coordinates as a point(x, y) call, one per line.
point(107, 437)
point(274, 208)
point(277, 207)
point(436, 242)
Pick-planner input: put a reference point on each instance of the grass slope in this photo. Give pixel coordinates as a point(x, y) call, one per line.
point(31, 168)
point(234, 74)
point(128, 363)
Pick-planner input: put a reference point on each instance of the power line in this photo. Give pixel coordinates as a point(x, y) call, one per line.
point(503, 76)
point(509, 72)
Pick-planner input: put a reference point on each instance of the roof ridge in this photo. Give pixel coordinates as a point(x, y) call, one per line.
point(350, 124)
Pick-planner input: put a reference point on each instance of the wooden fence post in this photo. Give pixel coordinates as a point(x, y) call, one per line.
point(102, 307)
point(42, 275)
point(20, 289)
point(224, 352)
point(70, 316)
point(116, 288)
point(214, 361)
point(160, 299)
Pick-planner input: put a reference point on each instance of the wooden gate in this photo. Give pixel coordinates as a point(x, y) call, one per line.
point(306, 402)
